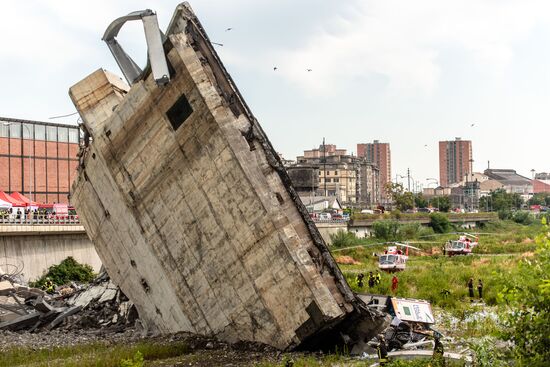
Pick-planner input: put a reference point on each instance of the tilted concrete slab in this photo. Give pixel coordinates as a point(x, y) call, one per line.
point(192, 212)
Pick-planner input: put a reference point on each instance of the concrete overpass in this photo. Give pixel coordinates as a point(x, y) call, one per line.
point(38, 246)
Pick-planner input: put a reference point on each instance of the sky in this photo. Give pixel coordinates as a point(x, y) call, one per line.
point(410, 73)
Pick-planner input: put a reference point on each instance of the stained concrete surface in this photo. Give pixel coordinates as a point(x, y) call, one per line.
point(192, 212)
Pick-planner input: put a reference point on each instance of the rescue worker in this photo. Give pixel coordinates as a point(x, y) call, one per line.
point(371, 279)
point(446, 293)
point(438, 350)
point(394, 283)
point(471, 289)
point(382, 350)
point(480, 288)
point(360, 277)
point(48, 286)
point(378, 277)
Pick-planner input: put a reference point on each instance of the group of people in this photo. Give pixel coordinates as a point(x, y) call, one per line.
point(19, 213)
point(471, 289)
point(375, 279)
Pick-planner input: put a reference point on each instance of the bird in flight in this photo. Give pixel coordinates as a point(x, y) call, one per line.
point(472, 125)
point(308, 70)
point(425, 145)
point(217, 44)
point(274, 68)
point(228, 29)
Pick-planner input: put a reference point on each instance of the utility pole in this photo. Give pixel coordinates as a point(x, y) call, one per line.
point(325, 166)
point(471, 191)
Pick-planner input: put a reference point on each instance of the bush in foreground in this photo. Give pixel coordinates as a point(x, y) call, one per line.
point(69, 270)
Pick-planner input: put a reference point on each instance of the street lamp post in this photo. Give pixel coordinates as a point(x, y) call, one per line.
point(30, 158)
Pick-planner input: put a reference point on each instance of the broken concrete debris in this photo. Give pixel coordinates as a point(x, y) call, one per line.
point(99, 305)
point(191, 210)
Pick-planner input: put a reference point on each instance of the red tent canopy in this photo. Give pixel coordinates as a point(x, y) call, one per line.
point(23, 199)
point(13, 201)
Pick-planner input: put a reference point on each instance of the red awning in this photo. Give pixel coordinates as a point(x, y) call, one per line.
point(24, 199)
point(13, 201)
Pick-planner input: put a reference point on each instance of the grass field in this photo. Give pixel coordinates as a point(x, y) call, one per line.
point(442, 280)
point(429, 275)
point(90, 355)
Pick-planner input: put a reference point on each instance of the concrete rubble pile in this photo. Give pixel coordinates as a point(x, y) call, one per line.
point(190, 208)
point(100, 305)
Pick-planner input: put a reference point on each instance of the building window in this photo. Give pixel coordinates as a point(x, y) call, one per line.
point(28, 131)
point(39, 132)
point(4, 130)
point(179, 112)
point(336, 180)
point(328, 180)
point(74, 136)
point(62, 134)
point(51, 133)
point(336, 173)
point(15, 130)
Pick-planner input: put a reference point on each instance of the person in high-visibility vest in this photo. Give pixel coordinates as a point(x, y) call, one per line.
point(49, 287)
point(382, 350)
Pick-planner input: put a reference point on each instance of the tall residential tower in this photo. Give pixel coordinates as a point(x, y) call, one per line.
point(380, 155)
point(455, 161)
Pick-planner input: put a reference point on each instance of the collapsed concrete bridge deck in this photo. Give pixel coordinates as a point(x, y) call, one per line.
point(192, 212)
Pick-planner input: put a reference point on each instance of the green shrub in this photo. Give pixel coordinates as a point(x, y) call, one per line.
point(504, 214)
point(522, 217)
point(409, 231)
point(439, 223)
point(68, 270)
point(387, 230)
point(395, 214)
point(529, 291)
point(343, 238)
point(136, 361)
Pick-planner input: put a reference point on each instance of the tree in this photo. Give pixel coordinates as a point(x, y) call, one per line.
point(541, 198)
point(444, 203)
point(502, 202)
point(387, 230)
point(420, 201)
point(393, 190)
point(403, 200)
point(529, 292)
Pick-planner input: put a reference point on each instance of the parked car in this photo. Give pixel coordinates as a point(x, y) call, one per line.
point(425, 210)
point(325, 216)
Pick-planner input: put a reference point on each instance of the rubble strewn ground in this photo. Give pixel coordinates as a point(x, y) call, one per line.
point(99, 305)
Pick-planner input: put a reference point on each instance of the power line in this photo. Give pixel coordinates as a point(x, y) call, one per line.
point(58, 117)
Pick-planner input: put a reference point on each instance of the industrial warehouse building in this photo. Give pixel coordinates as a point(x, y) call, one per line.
point(38, 159)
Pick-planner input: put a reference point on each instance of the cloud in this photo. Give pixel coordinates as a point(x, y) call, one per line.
point(402, 40)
